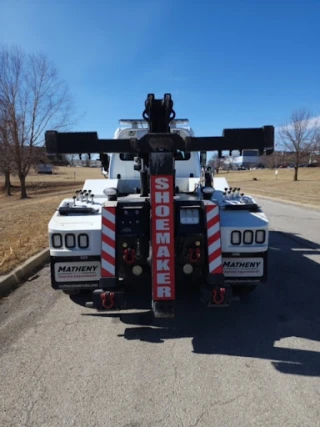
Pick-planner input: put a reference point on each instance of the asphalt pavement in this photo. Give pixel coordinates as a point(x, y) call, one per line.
point(254, 364)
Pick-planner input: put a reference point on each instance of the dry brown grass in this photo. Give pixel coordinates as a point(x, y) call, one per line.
point(63, 175)
point(23, 223)
point(305, 191)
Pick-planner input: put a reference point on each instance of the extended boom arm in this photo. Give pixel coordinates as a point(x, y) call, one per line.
point(159, 114)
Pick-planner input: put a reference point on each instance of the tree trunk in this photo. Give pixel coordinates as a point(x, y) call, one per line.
point(23, 188)
point(7, 183)
point(296, 166)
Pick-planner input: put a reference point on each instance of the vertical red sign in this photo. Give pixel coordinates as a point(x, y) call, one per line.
point(163, 251)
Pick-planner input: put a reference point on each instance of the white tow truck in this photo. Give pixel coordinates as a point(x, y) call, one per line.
point(162, 216)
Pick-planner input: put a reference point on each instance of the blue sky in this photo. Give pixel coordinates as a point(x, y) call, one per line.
point(227, 63)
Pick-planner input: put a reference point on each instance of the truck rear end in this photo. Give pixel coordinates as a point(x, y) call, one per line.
point(168, 227)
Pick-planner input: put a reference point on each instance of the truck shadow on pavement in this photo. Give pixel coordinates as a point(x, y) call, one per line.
point(271, 323)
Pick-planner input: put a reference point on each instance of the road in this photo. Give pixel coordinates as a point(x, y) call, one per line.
point(255, 364)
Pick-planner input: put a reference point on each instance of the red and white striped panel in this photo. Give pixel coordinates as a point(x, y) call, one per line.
point(214, 238)
point(108, 248)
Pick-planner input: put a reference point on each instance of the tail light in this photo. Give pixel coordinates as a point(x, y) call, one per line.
point(260, 236)
point(56, 240)
point(248, 237)
point(83, 241)
point(70, 241)
point(236, 237)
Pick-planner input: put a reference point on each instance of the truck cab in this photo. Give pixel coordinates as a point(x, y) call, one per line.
point(121, 166)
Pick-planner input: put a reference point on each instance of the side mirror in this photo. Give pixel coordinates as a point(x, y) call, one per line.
point(203, 158)
point(105, 161)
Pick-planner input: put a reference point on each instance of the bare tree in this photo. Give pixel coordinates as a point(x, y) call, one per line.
point(274, 160)
point(34, 99)
point(5, 154)
point(7, 167)
point(229, 161)
point(300, 136)
point(87, 160)
point(71, 159)
point(216, 163)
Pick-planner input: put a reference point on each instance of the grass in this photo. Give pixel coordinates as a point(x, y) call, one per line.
point(305, 191)
point(23, 223)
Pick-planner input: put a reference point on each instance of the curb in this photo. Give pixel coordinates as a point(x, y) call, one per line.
point(12, 280)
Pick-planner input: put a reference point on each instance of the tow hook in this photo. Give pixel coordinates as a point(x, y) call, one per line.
point(129, 255)
point(218, 295)
point(194, 254)
point(107, 300)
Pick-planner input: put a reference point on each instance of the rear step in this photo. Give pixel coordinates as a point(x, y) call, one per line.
point(163, 309)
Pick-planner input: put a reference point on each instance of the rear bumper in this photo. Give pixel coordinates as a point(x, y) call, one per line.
point(84, 273)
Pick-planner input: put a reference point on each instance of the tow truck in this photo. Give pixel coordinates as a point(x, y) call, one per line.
point(162, 217)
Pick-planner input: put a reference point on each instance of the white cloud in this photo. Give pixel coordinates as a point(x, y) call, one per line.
point(314, 121)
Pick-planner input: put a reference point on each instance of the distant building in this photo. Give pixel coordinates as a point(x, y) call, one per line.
point(92, 163)
point(249, 158)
